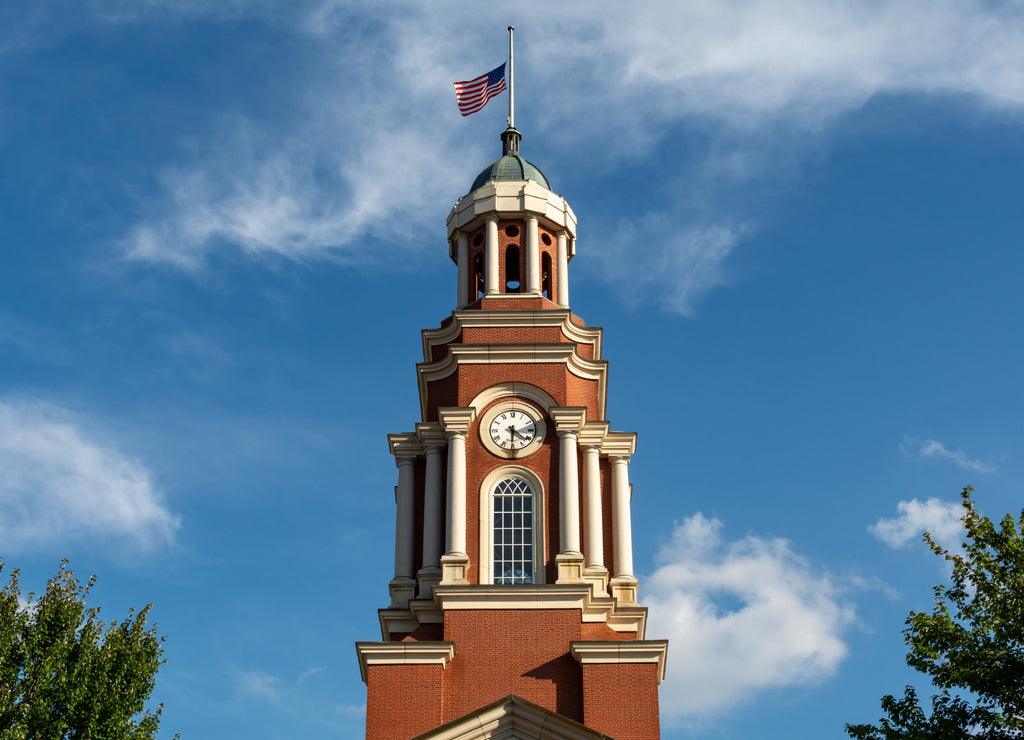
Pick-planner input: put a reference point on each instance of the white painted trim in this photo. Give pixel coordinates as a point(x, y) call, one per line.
point(509, 454)
point(403, 653)
point(595, 608)
point(547, 318)
point(511, 200)
point(515, 389)
point(516, 354)
point(622, 651)
point(485, 566)
point(511, 718)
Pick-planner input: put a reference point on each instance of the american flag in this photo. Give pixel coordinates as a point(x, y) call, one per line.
point(472, 95)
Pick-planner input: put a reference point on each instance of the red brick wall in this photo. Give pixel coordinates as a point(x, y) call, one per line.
point(522, 652)
point(402, 701)
point(621, 700)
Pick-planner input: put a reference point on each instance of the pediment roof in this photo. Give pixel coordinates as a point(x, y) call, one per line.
point(512, 718)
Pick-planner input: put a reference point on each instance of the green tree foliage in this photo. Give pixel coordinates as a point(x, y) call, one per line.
point(971, 645)
point(64, 674)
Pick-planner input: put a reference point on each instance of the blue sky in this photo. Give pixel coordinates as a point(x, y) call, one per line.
point(223, 228)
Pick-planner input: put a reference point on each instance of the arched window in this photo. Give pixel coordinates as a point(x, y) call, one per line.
point(512, 507)
point(545, 276)
point(511, 527)
point(512, 269)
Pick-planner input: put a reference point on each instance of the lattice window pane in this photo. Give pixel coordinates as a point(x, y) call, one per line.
point(513, 531)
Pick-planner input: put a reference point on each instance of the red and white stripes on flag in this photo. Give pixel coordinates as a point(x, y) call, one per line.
point(472, 95)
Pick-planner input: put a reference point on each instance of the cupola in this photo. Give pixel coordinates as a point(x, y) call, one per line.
point(511, 235)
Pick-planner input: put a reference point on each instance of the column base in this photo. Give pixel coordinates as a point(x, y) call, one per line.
point(426, 579)
point(597, 576)
point(454, 569)
point(624, 589)
point(570, 567)
point(402, 589)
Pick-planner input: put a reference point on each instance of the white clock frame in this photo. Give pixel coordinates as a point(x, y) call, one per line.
point(512, 405)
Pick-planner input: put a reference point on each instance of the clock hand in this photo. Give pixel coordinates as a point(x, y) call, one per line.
point(516, 432)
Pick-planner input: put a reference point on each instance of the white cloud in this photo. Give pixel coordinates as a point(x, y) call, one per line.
point(913, 447)
point(259, 685)
point(941, 518)
point(58, 482)
point(763, 79)
point(742, 618)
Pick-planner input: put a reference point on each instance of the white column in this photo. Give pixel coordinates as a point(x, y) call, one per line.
point(491, 256)
point(432, 508)
point(568, 492)
point(456, 530)
point(462, 255)
point(592, 505)
point(622, 528)
point(405, 500)
point(532, 257)
point(563, 270)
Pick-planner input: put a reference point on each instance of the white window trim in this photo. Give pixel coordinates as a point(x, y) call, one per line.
point(487, 518)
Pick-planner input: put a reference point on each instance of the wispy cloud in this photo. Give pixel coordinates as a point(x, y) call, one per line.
point(743, 617)
point(375, 149)
point(917, 448)
point(941, 518)
point(59, 481)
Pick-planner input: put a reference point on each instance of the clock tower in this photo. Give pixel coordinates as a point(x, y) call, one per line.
point(513, 607)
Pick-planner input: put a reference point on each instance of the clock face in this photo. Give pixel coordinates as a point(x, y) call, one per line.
point(512, 430)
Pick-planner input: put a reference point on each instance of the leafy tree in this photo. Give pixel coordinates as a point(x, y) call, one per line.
point(64, 674)
point(971, 645)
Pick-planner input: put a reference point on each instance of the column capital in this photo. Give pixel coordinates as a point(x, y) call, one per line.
point(568, 418)
point(455, 419)
point(431, 435)
point(619, 445)
point(593, 433)
point(405, 445)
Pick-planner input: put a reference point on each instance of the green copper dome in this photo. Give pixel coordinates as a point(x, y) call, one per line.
point(511, 167)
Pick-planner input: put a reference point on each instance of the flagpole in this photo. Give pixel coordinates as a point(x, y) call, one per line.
point(511, 99)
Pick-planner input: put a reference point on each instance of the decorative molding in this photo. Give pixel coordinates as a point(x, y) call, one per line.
point(593, 433)
point(512, 318)
point(490, 354)
point(431, 434)
point(595, 607)
point(405, 444)
point(568, 418)
point(456, 419)
point(619, 444)
point(513, 389)
point(512, 718)
point(509, 200)
point(403, 653)
point(622, 651)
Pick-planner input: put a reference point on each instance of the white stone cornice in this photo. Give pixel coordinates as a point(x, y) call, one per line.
point(403, 653)
point(568, 418)
point(406, 444)
point(517, 318)
point(594, 607)
point(455, 419)
point(511, 718)
point(593, 433)
point(490, 354)
point(431, 434)
point(510, 200)
point(622, 651)
point(515, 389)
point(619, 444)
